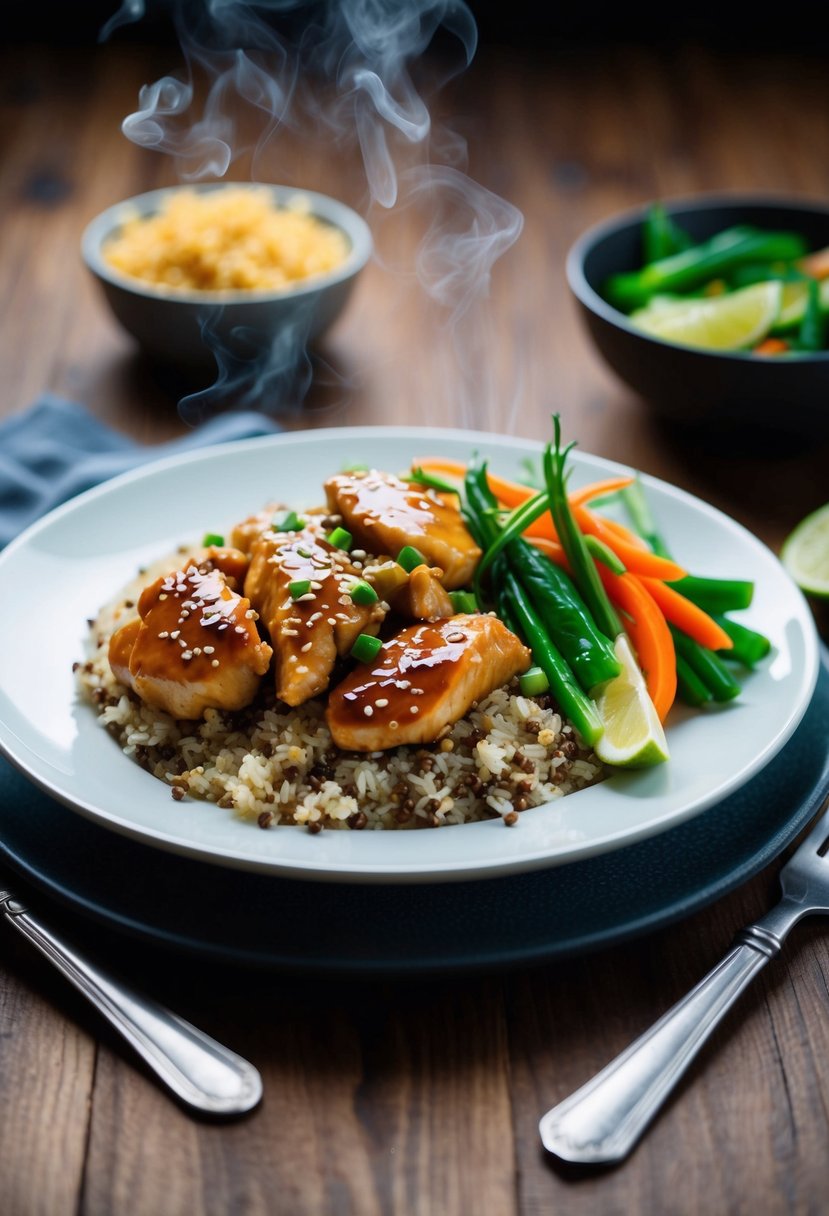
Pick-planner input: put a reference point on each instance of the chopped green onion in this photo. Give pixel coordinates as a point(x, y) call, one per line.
point(604, 554)
point(340, 539)
point(464, 601)
point(355, 468)
point(213, 538)
point(533, 683)
point(362, 592)
point(299, 587)
point(306, 553)
point(288, 523)
point(410, 558)
point(366, 648)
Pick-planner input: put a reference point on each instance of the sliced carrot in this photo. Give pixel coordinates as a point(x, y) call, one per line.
point(624, 533)
point(597, 488)
point(687, 616)
point(637, 559)
point(771, 346)
point(648, 631)
point(816, 264)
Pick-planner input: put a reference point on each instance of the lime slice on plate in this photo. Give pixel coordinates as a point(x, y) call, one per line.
point(734, 321)
point(805, 554)
point(633, 735)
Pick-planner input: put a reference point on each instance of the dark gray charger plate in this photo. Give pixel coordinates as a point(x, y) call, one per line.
point(252, 920)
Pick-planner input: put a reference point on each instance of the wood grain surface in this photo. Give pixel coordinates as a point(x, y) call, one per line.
point(423, 1097)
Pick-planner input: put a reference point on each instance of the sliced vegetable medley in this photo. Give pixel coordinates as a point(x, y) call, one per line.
point(618, 629)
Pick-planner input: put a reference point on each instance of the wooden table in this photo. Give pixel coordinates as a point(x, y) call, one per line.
point(423, 1098)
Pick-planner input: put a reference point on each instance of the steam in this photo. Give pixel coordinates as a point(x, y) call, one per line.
point(347, 70)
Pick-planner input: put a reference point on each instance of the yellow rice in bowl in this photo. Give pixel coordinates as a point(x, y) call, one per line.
point(230, 239)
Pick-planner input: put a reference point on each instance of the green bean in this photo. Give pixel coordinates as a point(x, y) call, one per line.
point(812, 333)
point(633, 496)
point(684, 271)
point(661, 236)
point(573, 703)
point(585, 574)
point(553, 595)
point(707, 665)
point(604, 554)
point(715, 594)
point(749, 646)
point(690, 688)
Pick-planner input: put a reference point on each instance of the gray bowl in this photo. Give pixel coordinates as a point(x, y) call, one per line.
point(691, 386)
point(192, 328)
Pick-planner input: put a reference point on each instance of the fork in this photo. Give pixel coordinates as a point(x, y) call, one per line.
point(204, 1074)
point(601, 1122)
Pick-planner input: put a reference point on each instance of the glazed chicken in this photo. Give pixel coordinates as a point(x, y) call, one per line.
point(384, 514)
point(194, 644)
point(426, 677)
point(423, 596)
point(308, 630)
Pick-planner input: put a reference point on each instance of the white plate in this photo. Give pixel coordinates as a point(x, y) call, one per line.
point(62, 569)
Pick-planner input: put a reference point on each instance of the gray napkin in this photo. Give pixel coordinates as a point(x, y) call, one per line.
point(55, 449)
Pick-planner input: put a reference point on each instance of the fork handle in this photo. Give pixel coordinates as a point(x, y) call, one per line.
point(602, 1121)
point(201, 1072)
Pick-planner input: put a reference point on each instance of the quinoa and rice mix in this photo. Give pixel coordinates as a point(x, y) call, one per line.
point(270, 764)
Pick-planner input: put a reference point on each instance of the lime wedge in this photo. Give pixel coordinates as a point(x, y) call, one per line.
point(734, 321)
point(633, 735)
point(793, 304)
point(805, 554)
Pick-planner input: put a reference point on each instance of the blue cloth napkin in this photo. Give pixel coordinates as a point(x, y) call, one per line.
point(55, 449)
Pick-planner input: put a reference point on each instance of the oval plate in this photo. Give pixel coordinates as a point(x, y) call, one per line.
point(58, 573)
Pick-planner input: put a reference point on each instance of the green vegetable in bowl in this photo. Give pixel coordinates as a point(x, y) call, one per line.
point(742, 289)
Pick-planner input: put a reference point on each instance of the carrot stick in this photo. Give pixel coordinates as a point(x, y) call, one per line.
point(688, 617)
point(597, 488)
point(637, 560)
point(648, 631)
point(512, 493)
point(623, 533)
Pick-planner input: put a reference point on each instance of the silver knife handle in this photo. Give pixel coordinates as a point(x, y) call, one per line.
point(602, 1121)
point(201, 1072)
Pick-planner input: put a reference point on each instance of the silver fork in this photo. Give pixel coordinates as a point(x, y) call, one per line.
point(602, 1121)
point(201, 1072)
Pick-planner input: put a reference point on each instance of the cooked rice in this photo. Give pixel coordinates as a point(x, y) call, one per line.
point(227, 239)
point(273, 765)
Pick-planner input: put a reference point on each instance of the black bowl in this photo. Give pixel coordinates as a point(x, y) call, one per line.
point(691, 386)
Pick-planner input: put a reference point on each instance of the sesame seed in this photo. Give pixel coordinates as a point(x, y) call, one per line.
point(184, 614)
point(162, 596)
point(302, 670)
point(187, 655)
point(382, 702)
point(165, 633)
point(209, 649)
point(197, 650)
point(368, 711)
point(240, 629)
point(290, 633)
point(214, 663)
point(414, 709)
point(332, 620)
point(175, 634)
point(307, 598)
point(306, 647)
point(393, 725)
